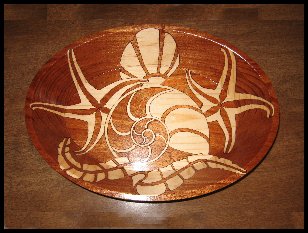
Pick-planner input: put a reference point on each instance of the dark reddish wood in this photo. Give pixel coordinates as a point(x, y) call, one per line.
point(99, 56)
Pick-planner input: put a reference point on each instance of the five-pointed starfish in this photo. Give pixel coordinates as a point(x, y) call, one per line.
point(223, 103)
point(94, 104)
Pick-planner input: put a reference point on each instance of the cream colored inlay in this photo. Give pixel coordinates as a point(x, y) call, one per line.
point(148, 43)
point(187, 118)
point(187, 173)
point(174, 182)
point(168, 99)
point(193, 158)
point(212, 165)
point(108, 165)
point(62, 162)
point(89, 167)
point(73, 161)
point(89, 177)
point(122, 160)
point(168, 53)
point(156, 80)
point(189, 142)
point(180, 164)
point(151, 190)
point(114, 99)
point(100, 176)
point(74, 173)
point(176, 64)
point(167, 171)
point(130, 170)
point(200, 165)
point(115, 174)
point(152, 176)
point(136, 178)
point(130, 62)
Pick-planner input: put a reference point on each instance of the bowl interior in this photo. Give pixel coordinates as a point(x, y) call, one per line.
point(152, 113)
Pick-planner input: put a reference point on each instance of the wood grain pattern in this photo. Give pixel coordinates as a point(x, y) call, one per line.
point(282, 215)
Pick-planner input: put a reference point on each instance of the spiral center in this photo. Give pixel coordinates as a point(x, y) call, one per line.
point(151, 136)
point(148, 137)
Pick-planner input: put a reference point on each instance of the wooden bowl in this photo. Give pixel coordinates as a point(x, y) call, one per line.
point(152, 113)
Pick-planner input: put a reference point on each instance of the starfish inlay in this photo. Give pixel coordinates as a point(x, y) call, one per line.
point(94, 104)
point(223, 103)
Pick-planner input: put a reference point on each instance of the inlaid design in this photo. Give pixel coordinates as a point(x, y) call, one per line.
point(156, 135)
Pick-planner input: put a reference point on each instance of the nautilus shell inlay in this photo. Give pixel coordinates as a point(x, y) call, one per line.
point(152, 113)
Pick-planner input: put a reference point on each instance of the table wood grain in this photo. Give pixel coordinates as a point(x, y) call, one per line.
point(272, 196)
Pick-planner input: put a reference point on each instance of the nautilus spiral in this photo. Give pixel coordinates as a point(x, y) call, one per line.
point(168, 117)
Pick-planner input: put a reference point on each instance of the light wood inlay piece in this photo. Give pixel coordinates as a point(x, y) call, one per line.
point(115, 174)
point(167, 171)
point(199, 165)
point(73, 161)
point(109, 164)
point(91, 167)
point(153, 176)
point(152, 190)
point(100, 176)
point(137, 178)
point(174, 182)
point(122, 160)
point(180, 164)
point(187, 173)
point(62, 163)
point(89, 177)
point(74, 173)
point(148, 44)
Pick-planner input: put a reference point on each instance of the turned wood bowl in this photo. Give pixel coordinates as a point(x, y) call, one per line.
point(152, 113)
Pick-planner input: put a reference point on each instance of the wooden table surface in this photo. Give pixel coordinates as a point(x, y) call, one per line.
point(272, 196)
